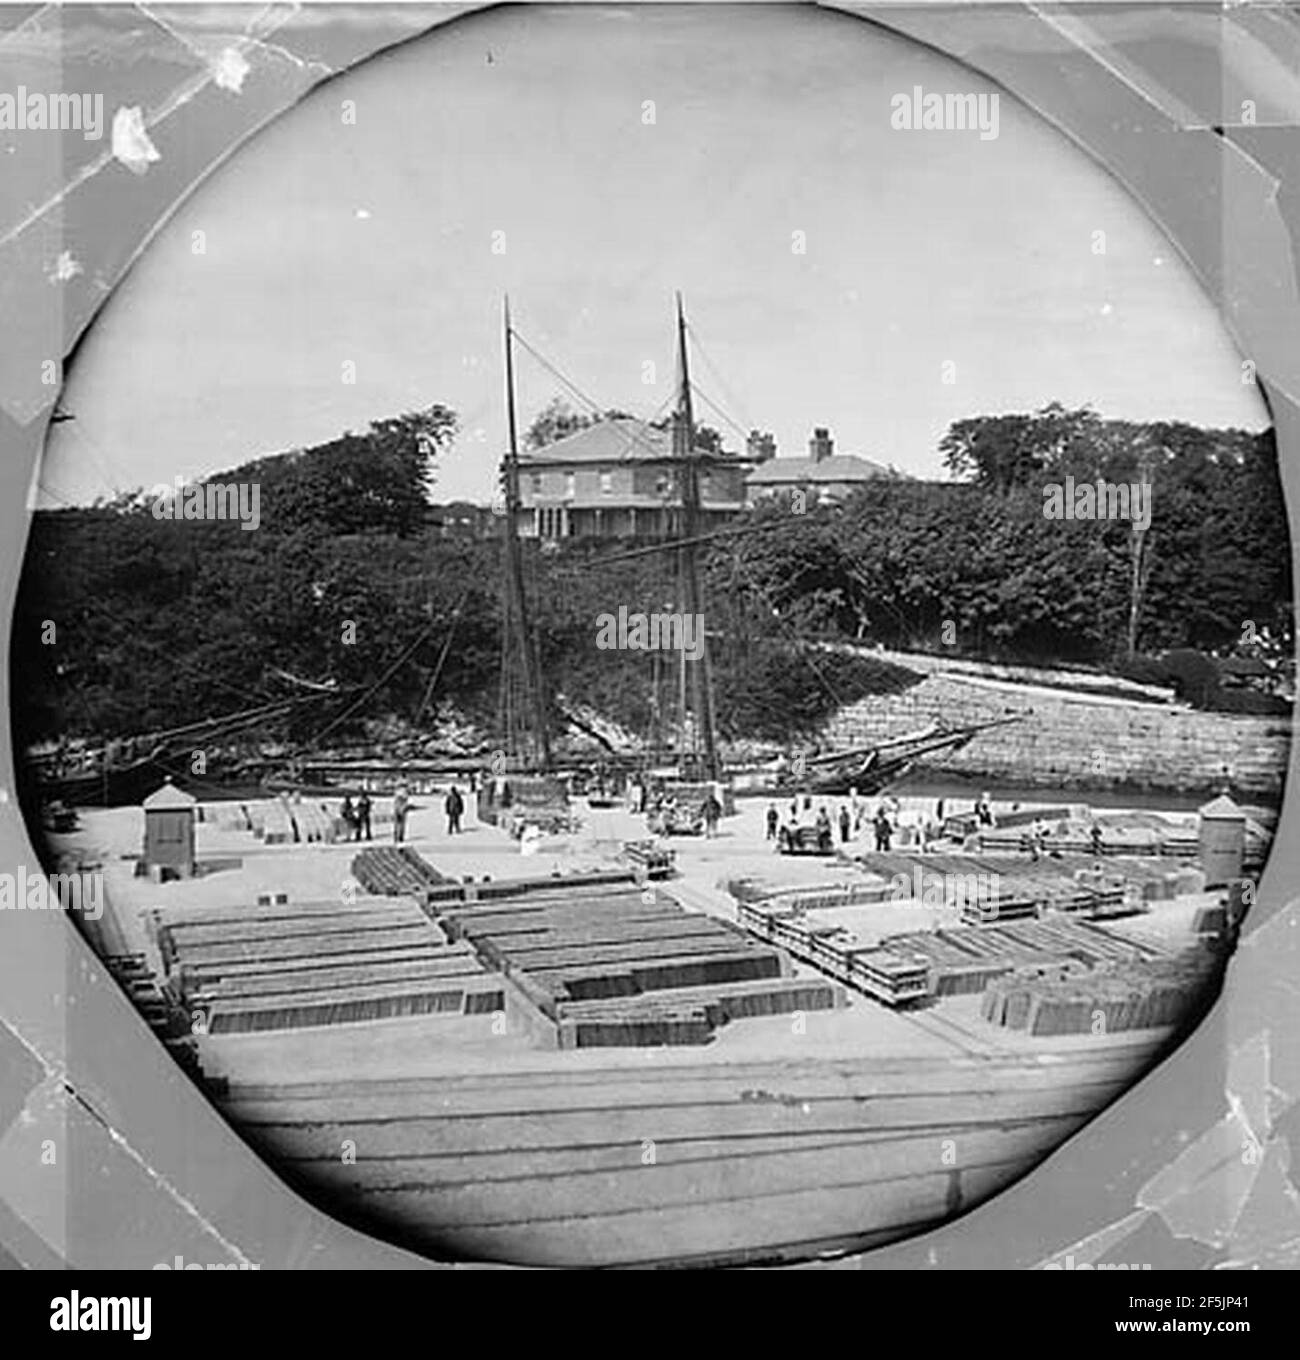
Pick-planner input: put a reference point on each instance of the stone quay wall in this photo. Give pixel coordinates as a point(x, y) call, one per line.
point(1073, 739)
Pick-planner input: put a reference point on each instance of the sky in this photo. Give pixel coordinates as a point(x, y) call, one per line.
point(515, 151)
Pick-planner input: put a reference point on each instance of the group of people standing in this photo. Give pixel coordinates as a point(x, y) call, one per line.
point(853, 816)
point(847, 820)
point(356, 815)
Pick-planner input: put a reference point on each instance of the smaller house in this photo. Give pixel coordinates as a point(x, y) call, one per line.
point(824, 475)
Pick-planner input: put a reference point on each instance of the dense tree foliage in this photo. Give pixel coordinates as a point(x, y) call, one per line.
point(128, 623)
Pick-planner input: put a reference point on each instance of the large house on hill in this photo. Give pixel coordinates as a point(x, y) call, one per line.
point(619, 479)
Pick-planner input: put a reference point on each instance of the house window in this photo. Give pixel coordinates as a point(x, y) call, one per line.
point(570, 484)
point(537, 483)
point(606, 483)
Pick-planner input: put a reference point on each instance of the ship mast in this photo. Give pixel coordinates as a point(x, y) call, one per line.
point(701, 680)
point(523, 700)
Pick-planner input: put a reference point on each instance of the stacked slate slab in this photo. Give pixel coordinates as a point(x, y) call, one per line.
point(395, 871)
point(1144, 994)
point(300, 965)
point(892, 977)
point(618, 965)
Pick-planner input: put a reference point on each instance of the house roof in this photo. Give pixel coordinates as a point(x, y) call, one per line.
point(608, 441)
point(839, 467)
point(169, 796)
point(1222, 807)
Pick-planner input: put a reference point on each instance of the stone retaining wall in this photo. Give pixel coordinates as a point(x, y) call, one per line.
point(1077, 740)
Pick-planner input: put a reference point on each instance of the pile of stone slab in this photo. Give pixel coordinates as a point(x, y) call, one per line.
point(1143, 994)
point(851, 892)
point(298, 965)
point(686, 1015)
point(894, 977)
point(621, 965)
point(965, 960)
point(315, 823)
point(395, 871)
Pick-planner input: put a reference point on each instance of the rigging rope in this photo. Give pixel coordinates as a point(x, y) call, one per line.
point(446, 648)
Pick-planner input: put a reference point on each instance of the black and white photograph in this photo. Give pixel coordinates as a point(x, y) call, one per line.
point(650, 635)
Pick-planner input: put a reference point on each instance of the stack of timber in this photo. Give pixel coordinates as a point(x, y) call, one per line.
point(622, 966)
point(1139, 995)
point(301, 965)
point(395, 871)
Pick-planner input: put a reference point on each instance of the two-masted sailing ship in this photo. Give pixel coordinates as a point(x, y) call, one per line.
point(684, 702)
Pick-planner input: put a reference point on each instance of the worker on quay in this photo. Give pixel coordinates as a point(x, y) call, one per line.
point(773, 817)
point(846, 823)
point(883, 828)
point(825, 836)
point(401, 807)
point(454, 807)
point(363, 814)
point(712, 811)
point(349, 815)
point(984, 811)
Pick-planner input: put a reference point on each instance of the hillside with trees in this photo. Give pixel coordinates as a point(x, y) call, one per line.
point(127, 623)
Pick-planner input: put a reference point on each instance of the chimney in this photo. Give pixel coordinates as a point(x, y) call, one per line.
point(760, 447)
point(821, 445)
